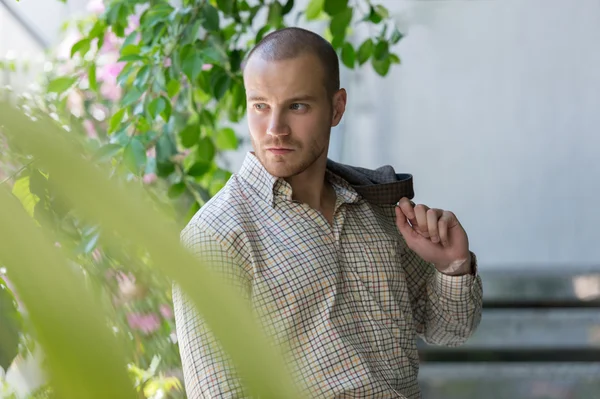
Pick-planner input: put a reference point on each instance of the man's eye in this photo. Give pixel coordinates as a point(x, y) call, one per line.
point(298, 107)
point(260, 106)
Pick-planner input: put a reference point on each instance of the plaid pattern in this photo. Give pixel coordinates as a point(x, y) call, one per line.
point(347, 299)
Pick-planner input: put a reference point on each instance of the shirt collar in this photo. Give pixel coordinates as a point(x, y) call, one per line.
point(272, 188)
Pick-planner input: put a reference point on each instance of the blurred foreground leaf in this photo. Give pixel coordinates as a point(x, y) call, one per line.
point(83, 359)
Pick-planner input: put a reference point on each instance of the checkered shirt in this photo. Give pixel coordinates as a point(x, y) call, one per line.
point(348, 299)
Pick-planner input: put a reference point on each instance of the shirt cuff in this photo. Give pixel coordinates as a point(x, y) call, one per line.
point(456, 288)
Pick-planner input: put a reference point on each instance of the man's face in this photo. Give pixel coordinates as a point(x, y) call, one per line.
point(290, 114)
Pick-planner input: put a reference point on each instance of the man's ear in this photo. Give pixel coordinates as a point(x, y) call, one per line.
point(339, 106)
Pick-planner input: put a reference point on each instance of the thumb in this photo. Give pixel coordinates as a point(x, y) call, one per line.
point(409, 234)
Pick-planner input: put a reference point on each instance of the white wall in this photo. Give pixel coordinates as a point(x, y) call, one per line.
point(496, 111)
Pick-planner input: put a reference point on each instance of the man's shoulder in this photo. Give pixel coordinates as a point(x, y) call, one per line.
point(221, 216)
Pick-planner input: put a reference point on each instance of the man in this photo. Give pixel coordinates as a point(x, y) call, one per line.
point(346, 280)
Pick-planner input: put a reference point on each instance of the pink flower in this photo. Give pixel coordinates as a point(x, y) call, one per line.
point(149, 178)
point(110, 71)
point(75, 103)
point(165, 311)
point(89, 128)
point(134, 24)
point(111, 43)
point(111, 91)
point(96, 7)
point(167, 62)
point(151, 152)
point(126, 284)
point(206, 67)
point(146, 323)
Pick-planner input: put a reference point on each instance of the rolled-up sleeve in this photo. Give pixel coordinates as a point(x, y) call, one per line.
point(446, 309)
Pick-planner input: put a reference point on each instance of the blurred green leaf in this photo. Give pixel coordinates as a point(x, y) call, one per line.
point(92, 77)
point(340, 22)
point(226, 6)
point(365, 51)
point(157, 106)
point(176, 190)
point(226, 139)
point(189, 136)
point(394, 59)
point(131, 57)
point(199, 169)
point(116, 119)
point(335, 7)
point(134, 155)
point(314, 9)
point(396, 36)
point(21, 191)
point(173, 87)
point(274, 18)
point(61, 84)
point(192, 65)
point(107, 151)
point(211, 17)
point(348, 55)
point(82, 46)
point(381, 50)
point(206, 149)
point(381, 66)
point(289, 5)
point(132, 96)
point(219, 82)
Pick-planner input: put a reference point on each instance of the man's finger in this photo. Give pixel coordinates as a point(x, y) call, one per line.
point(447, 220)
point(409, 234)
point(406, 206)
point(433, 215)
point(421, 216)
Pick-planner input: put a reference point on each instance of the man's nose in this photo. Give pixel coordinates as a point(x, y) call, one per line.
point(278, 125)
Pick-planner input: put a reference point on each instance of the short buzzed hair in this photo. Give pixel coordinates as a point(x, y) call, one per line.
point(288, 43)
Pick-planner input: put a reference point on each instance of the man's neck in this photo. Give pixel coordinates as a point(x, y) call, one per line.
point(311, 188)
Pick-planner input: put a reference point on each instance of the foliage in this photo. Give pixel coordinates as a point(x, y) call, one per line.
point(155, 92)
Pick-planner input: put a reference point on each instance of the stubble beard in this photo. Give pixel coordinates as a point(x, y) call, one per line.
point(282, 166)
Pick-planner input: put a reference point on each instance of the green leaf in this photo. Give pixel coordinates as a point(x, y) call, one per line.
point(382, 11)
point(365, 51)
point(334, 7)
point(116, 120)
point(92, 77)
point(130, 49)
point(166, 113)
point(275, 14)
point(226, 6)
point(289, 5)
point(82, 46)
point(135, 155)
point(396, 36)
point(176, 190)
point(199, 169)
point(394, 59)
point(373, 16)
point(131, 58)
point(206, 149)
point(157, 106)
point(340, 22)
point(173, 87)
point(262, 31)
point(21, 190)
point(211, 18)
point(189, 135)
point(219, 83)
point(142, 77)
point(192, 65)
point(107, 152)
point(226, 139)
point(156, 14)
point(381, 66)
point(131, 97)
point(348, 55)
point(38, 183)
point(60, 85)
point(381, 50)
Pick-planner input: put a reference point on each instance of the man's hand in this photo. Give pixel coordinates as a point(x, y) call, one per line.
point(436, 236)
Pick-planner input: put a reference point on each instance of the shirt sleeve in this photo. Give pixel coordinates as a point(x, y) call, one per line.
point(207, 370)
point(446, 309)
